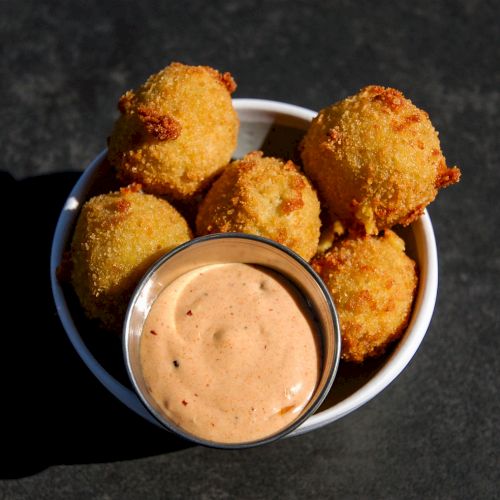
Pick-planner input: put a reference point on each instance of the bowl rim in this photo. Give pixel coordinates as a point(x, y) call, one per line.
point(210, 239)
point(404, 352)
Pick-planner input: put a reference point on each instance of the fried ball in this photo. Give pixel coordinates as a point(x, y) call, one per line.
point(176, 131)
point(373, 283)
point(266, 197)
point(117, 237)
point(375, 159)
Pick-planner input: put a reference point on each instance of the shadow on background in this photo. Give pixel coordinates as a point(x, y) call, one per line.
point(53, 409)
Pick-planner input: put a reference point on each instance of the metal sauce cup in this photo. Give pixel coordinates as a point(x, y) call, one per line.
point(234, 248)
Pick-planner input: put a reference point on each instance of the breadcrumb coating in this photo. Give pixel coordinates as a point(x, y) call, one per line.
point(267, 197)
point(176, 131)
point(375, 159)
point(117, 237)
point(373, 284)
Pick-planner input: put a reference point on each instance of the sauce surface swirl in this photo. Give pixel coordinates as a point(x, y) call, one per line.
point(230, 352)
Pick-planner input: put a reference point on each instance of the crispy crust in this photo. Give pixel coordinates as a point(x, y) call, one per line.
point(161, 127)
point(225, 79)
point(228, 81)
point(263, 196)
point(175, 132)
point(373, 284)
point(117, 237)
point(375, 159)
point(390, 98)
point(447, 176)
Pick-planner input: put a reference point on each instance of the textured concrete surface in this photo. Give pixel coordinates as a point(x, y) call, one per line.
point(434, 433)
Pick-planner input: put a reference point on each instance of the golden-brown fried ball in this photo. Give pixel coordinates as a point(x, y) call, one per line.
point(117, 237)
point(176, 131)
point(266, 197)
point(373, 283)
point(375, 159)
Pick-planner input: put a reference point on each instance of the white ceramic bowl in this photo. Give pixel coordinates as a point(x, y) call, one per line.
point(275, 128)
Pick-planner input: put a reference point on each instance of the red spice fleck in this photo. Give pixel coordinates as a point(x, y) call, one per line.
point(184, 402)
point(189, 313)
point(152, 332)
point(286, 409)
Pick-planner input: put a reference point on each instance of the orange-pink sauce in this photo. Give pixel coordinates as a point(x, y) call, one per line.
point(229, 353)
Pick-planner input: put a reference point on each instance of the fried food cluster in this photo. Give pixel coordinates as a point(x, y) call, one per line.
point(267, 197)
point(117, 237)
point(373, 283)
point(375, 159)
point(176, 131)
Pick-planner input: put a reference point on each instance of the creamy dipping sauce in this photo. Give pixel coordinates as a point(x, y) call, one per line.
point(230, 353)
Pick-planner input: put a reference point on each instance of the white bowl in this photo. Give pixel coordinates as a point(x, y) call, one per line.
point(275, 128)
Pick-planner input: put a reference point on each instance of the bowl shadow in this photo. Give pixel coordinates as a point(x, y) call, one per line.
point(55, 411)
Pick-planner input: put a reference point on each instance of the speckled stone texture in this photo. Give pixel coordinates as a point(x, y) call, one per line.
point(434, 432)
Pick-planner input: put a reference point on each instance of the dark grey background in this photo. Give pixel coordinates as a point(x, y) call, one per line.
point(63, 65)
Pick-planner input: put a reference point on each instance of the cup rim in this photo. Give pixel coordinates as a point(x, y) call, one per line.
point(332, 313)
